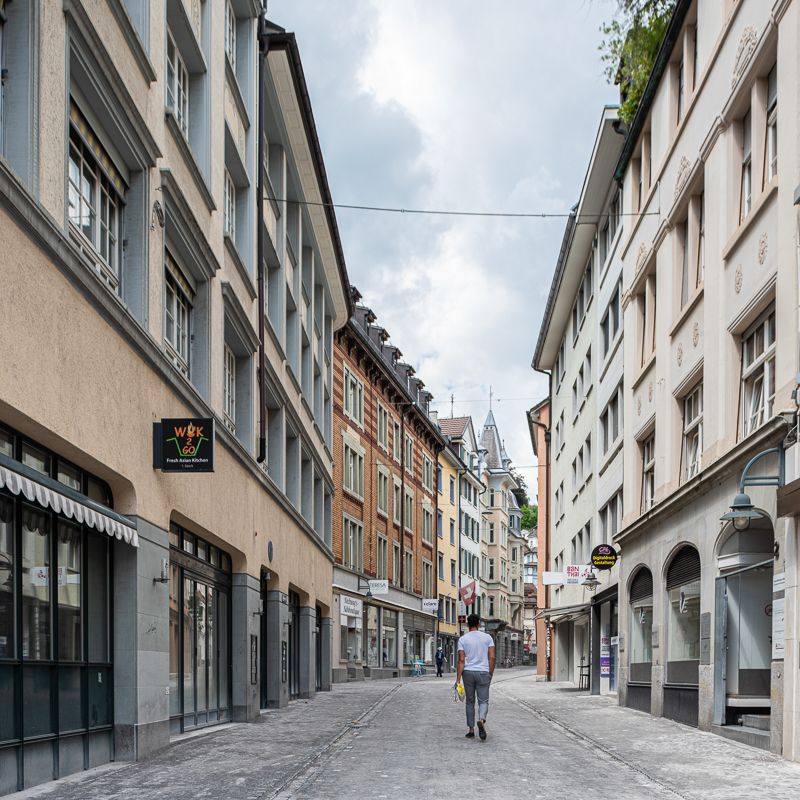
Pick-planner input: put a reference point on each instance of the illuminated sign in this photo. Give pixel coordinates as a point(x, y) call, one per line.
point(183, 445)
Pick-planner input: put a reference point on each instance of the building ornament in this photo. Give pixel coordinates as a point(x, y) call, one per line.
point(683, 175)
point(737, 280)
point(695, 334)
point(680, 355)
point(641, 258)
point(747, 46)
point(762, 249)
point(650, 391)
point(639, 406)
point(196, 19)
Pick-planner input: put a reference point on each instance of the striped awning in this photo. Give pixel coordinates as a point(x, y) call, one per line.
point(83, 512)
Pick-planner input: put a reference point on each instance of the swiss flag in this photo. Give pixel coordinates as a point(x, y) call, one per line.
point(468, 593)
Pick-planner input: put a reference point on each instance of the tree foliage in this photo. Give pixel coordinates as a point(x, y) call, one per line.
point(630, 47)
point(530, 517)
point(521, 492)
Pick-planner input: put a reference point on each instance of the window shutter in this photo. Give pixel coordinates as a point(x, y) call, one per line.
point(642, 585)
point(685, 567)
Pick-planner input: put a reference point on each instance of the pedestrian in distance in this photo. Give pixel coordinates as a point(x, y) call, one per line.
point(439, 662)
point(476, 660)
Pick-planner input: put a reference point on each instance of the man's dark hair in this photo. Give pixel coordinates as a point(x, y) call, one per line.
point(473, 621)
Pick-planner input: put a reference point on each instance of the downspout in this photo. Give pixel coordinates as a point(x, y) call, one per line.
point(263, 48)
point(547, 495)
point(403, 500)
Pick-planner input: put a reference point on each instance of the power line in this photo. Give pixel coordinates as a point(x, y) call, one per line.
point(483, 400)
point(450, 213)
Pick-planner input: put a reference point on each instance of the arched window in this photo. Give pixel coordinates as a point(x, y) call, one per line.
point(683, 616)
point(641, 642)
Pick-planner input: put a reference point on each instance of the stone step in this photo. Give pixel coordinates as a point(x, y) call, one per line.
point(760, 721)
point(755, 737)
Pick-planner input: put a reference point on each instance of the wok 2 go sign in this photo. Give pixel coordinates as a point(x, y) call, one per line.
point(183, 445)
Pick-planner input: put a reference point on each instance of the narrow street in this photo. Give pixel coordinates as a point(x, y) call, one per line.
point(402, 739)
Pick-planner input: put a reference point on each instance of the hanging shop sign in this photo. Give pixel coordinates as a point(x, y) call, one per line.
point(378, 587)
point(430, 606)
point(604, 556)
point(183, 445)
point(576, 574)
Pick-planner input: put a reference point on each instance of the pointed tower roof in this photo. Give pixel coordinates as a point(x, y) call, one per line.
point(490, 420)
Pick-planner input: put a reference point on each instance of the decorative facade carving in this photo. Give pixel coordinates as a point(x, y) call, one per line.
point(737, 280)
point(747, 46)
point(650, 391)
point(680, 355)
point(641, 258)
point(695, 334)
point(683, 175)
point(762, 249)
point(639, 406)
point(196, 20)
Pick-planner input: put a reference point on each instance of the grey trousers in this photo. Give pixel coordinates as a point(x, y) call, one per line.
point(476, 682)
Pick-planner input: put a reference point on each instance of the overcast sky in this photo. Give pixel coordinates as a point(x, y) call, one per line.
point(456, 105)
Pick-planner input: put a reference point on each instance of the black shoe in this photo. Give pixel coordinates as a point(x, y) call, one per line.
point(470, 735)
point(481, 731)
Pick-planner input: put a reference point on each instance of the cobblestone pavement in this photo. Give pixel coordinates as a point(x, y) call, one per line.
point(405, 739)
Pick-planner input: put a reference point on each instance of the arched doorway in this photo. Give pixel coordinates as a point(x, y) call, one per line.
point(744, 626)
point(640, 650)
point(682, 639)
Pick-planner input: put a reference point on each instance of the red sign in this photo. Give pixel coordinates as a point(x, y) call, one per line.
point(467, 593)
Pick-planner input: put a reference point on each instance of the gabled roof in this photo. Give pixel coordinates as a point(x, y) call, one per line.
point(454, 426)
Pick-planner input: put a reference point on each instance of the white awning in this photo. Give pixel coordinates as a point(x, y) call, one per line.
point(81, 512)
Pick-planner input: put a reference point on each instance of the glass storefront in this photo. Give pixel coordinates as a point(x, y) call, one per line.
point(683, 617)
point(389, 637)
point(350, 627)
point(199, 632)
point(371, 654)
point(641, 631)
point(56, 703)
point(419, 638)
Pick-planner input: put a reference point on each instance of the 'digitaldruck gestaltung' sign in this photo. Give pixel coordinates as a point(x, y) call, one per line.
point(604, 556)
point(183, 445)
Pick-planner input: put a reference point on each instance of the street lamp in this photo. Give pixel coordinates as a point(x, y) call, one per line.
point(742, 512)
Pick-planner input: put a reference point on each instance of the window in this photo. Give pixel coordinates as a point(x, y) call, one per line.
point(427, 473)
point(771, 151)
point(408, 522)
point(701, 238)
point(491, 498)
point(561, 362)
point(610, 517)
point(490, 532)
point(439, 478)
point(427, 579)
point(758, 372)
point(177, 86)
point(396, 563)
point(178, 298)
point(441, 567)
point(439, 528)
point(353, 470)
point(641, 616)
point(746, 190)
point(681, 90)
point(452, 532)
point(682, 231)
point(452, 489)
point(611, 420)
point(396, 451)
point(615, 215)
point(229, 388)
point(383, 491)
point(382, 561)
point(683, 617)
point(230, 34)
point(383, 428)
point(353, 544)
point(396, 504)
point(452, 572)
point(95, 195)
point(409, 455)
point(610, 324)
point(353, 397)
point(427, 526)
point(648, 472)
point(646, 313)
point(408, 571)
point(490, 575)
point(582, 300)
point(503, 570)
point(692, 432)
point(229, 220)
point(583, 383)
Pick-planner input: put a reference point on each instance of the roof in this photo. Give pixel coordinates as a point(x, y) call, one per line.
point(490, 420)
point(454, 426)
point(278, 38)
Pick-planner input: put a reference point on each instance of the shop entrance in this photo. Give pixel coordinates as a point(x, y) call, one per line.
point(744, 629)
point(199, 632)
point(294, 645)
point(318, 650)
point(264, 639)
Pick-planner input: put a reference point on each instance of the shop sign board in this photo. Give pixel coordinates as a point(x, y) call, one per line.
point(604, 556)
point(430, 605)
point(351, 606)
point(183, 445)
point(553, 578)
point(576, 574)
point(779, 582)
point(778, 629)
point(378, 587)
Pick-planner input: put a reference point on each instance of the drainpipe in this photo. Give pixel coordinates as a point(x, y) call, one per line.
point(403, 501)
point(547, 515)
point(263, 48)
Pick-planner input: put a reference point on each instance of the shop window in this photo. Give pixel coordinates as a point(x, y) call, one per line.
point(683, 617)
point(371, 642)
point(389, 637)
point(641, 645)
point(350, 641)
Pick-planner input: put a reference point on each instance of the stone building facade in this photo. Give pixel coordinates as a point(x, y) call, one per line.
point(128, 220)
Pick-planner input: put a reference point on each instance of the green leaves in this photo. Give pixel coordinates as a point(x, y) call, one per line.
point(630, 47)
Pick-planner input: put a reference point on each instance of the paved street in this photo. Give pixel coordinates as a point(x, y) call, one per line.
point(404, 739)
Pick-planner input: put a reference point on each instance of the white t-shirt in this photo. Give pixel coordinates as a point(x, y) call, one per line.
point(475, 645)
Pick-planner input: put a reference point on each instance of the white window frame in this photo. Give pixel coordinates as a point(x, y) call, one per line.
point(229, 207)
point(397, 451)
point(383, 427)
point(229, 388)
point(427, 525)
point(177, 86)
point(692, 432)
point(353, 470)
point(746, 187)
point(396, 500)
point(353, 390)
point(382, 558)
point(177, 315)
point(352, 543)
point(648, 472)
point(230, 34)
point(771, 149)
point(758, 372)
point(383, 491)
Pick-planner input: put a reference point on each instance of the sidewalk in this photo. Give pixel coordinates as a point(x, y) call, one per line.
point(692, 763)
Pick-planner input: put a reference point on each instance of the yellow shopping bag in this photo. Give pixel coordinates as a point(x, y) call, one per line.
point(458, 692)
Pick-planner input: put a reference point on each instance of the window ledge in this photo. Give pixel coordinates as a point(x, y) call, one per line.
point(236, 91)
point(643, 371)
point(686, 310)
point(610, 455)
point(381, 513)
point(133, 39)
point(609, 356)
point(230, 246)
point(748, 221)
point(191, 161)
point(352, 495)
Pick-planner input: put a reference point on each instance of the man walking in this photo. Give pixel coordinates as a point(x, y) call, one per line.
point(476, 657)
point(439, 662)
